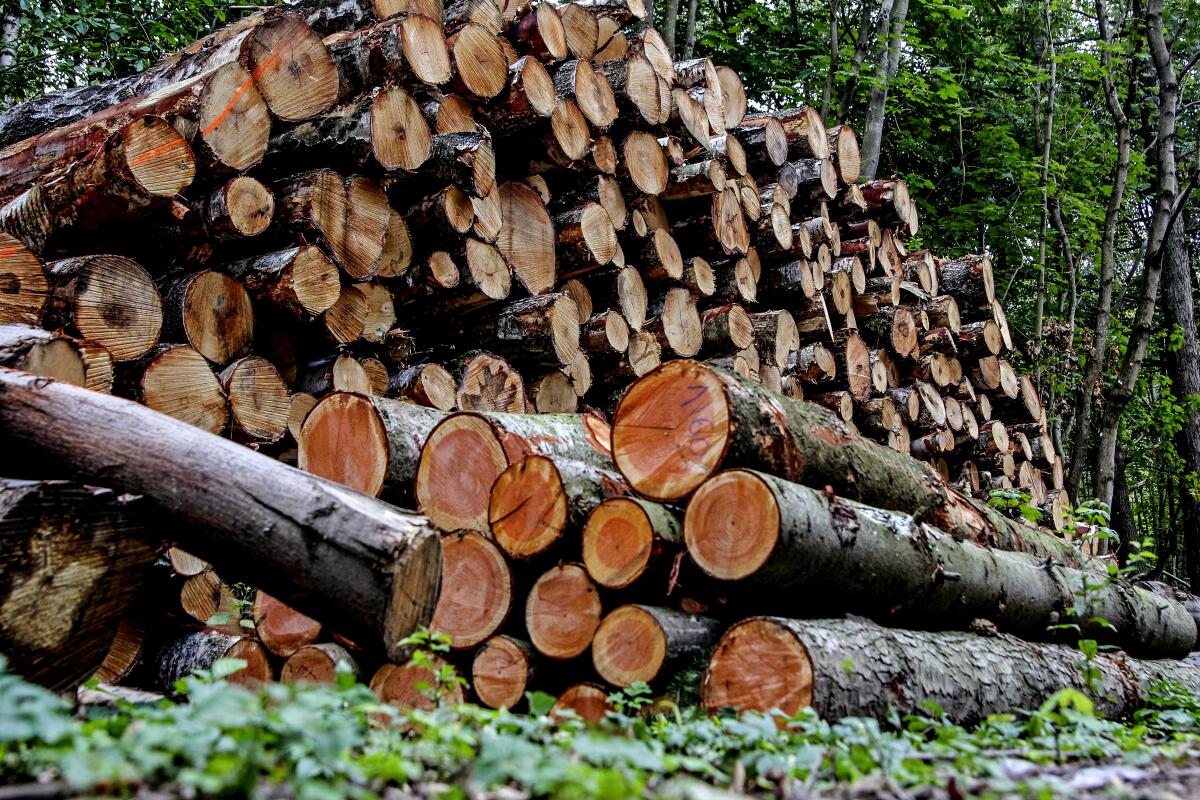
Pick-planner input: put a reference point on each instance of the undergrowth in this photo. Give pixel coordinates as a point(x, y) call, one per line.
point(322, 742)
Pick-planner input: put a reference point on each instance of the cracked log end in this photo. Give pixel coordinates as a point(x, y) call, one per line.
point(501, 671)
point(528, 507)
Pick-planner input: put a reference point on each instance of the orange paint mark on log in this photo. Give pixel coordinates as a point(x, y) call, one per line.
point(162, 148)
point(270, 63)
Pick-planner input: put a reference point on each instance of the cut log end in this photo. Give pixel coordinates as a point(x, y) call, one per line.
point(23, 285)
point(460, 462)
point(281, 628)
point(501, 672)
point(476, 590)
point(413, 686)
point(316, 664)
point(344, 440)
point(489, 383)
point(587, 701)
point(731, 525)
point(217, 316)
point(671, 430)
point(258, 398)
point(234, 122)
point(113, 302)
point(158, 157)
point(629, 646)
point(292, 68)
point(178, 381)
point(759, 665)
point(618, 540)
point(562, 612)
point(42, 353)
point(527, 238)
point(528, 507)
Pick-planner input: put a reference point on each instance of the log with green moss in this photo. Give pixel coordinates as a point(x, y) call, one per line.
point(852, 667)
point(792, 550)
point(685, 421)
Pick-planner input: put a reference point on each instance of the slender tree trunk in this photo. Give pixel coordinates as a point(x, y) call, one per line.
point(648, 21)
point(1047, 142)
point(670, 18)
point(889, 63)
point(689, 44)
point(1123, 521)
point(1062, 430)
point(1166, 191)
point(827, 95)
point(10, 26)
point(1184, 367)
point(1095, 358)
point(861, 46)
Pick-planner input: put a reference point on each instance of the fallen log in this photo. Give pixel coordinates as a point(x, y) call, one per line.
point(808, 550)
point(325, 550)
point(684, 421)
point(640, 643)
point(851, 667)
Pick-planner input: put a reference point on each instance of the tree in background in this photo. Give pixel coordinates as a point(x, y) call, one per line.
point(59, 44)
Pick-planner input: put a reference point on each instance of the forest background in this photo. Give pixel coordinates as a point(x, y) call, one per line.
point(1058, 136)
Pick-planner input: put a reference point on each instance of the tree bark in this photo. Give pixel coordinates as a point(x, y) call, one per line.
point(850, 667)
point(1183, 365)
point(365, 564)
point(670, 20)
point(1047, 142)
point(801, 550)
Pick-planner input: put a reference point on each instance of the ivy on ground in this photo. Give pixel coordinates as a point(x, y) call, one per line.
point(327, 742)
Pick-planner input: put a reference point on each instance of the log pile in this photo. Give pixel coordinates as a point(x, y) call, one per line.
point(636, 352)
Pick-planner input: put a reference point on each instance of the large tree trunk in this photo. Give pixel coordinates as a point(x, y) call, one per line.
point(850, 667)
point(800, 551)
point(72, 560)
point(326, 550)
point(1184, 366)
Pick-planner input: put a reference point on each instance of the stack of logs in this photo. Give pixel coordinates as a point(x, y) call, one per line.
point(372, 238)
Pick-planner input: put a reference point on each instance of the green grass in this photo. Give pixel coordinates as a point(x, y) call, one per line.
point(320, 742)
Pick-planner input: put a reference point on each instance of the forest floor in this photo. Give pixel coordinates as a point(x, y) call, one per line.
point(219, 739)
